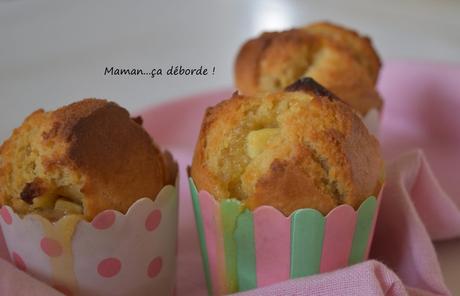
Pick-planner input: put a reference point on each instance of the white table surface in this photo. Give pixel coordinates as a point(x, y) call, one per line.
point(55, 52)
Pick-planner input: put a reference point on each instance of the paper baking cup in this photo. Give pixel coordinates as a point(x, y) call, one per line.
point(243, 249)
point(372, 121)
point(115, 254)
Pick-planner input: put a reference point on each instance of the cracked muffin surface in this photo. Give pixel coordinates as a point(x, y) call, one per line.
point(81, 159)
point(339, 58)
point(292, 149)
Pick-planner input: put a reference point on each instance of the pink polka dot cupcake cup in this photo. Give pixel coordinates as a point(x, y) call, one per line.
point(115, 254)
point(243, 249)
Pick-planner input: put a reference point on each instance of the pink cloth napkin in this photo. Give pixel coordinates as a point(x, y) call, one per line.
point(421, 142)
point(15, 282)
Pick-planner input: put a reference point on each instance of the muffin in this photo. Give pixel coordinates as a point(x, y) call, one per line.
point(81, 159)
point(292, 149)
point(89, 203)
point(284, 185)
point(338, 58)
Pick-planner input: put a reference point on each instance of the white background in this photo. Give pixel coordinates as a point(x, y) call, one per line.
point(55, 52)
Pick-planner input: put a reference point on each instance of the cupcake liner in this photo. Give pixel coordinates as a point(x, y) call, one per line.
point(115, 254)
point(243, 249)
point(372, 121)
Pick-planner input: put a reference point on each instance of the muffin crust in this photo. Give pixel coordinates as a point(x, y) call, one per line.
point(338, 58)
point(299, 148)
point(89, 155)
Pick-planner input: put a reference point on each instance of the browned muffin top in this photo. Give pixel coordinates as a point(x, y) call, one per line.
point(338, 58)
point(82, 158)
point(299, 148)
point(359, 46)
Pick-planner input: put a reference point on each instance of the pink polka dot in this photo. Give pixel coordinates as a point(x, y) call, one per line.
point(63, 290)
point(51, 247)
point(153, 220)
point(104, 220)
point(18, 261)
point(6, 215)
point(109, 267)
point(155, 267)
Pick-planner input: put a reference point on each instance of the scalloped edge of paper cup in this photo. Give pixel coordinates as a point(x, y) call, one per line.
point(114, 254)
point(243, 249)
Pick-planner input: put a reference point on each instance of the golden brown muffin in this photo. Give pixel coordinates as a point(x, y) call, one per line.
point(338, 58)
point(359, 46)
point(298, 148)
point(81, 159)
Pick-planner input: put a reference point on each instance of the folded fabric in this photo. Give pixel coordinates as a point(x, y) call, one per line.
point(15, 282)
point(367, 278)
point(413, 207)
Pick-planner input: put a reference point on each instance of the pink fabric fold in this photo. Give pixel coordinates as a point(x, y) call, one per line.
point(367, 278)
point(14, 282)
point(409, 210)
point(420, 137)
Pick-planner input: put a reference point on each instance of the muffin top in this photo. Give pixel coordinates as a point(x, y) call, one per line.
point(82, 158)
point(340, 59)
point(360, 47)
point(297, 148)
